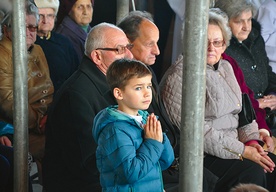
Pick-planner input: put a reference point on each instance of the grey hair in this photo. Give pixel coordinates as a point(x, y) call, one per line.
point(219, 18)
point(234, 8)
point(30, 9)
point(130, 24)
point(248, 188)
point(96, 37)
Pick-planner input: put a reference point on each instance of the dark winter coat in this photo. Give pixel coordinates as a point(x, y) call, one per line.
point(252, 59)
point(70, 151)
point(61, 57)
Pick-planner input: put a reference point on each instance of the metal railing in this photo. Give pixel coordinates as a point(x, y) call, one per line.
point(20, 94)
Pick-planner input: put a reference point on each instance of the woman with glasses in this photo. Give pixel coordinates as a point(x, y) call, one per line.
point(60, 54)
point(40, 87)
point(232, 152)
point(73, 19)
point(247, 47)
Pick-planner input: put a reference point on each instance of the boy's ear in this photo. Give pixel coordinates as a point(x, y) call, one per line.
point(117, 93)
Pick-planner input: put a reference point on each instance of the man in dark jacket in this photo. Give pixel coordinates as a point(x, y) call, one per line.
point(70, 154)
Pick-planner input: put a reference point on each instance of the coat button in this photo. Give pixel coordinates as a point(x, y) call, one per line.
point(260, 94)
point(42, 101)
point(254, 67)
point(39, 74)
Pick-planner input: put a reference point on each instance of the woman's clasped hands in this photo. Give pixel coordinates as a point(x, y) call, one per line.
point(257, 154)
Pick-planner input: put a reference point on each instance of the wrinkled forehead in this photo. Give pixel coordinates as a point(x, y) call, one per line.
point(148, 31)
point(31, 20)
point(83, 2)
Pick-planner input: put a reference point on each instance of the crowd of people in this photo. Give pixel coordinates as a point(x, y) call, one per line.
point(98, 118)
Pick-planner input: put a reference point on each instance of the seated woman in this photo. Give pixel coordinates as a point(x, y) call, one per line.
point(73, 21)
point(226, 144)
point(247, 47)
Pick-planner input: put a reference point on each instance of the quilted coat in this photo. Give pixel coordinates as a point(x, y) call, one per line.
point(127, 161)
point(223, 103)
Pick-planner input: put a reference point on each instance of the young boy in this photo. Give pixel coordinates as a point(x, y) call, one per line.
point(132, 150)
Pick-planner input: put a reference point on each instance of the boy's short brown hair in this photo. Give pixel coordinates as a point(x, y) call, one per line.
point(122, 70)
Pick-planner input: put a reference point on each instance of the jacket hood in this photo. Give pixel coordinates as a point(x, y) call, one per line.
point(111, 115)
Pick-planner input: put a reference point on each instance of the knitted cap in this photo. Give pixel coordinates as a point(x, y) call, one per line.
point(48, 4)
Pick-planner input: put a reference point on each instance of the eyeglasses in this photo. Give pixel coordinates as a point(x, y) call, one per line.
point(31, 28)
point(47, 16)
point(120, 49)
point(216, 44)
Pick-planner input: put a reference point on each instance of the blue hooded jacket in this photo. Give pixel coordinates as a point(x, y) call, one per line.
point(126, 161)
point(6, 128)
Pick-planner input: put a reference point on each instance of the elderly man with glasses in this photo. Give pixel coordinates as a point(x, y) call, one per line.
point(61, 56)
point(70, 154)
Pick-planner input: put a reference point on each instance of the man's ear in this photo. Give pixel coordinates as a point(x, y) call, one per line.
point(96, 57)
point(118, 93)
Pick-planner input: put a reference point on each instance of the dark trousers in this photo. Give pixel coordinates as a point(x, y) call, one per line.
point(171, 180)
point(6, 168)
point(232, 172)
point(271, 177)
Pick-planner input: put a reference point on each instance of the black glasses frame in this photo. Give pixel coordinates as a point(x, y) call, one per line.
point(120, 49)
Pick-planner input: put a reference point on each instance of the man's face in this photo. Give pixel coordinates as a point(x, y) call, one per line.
point(115, 38)
point(31, 30)
point(47, 19)
point(82, 12)
point(145, 47)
